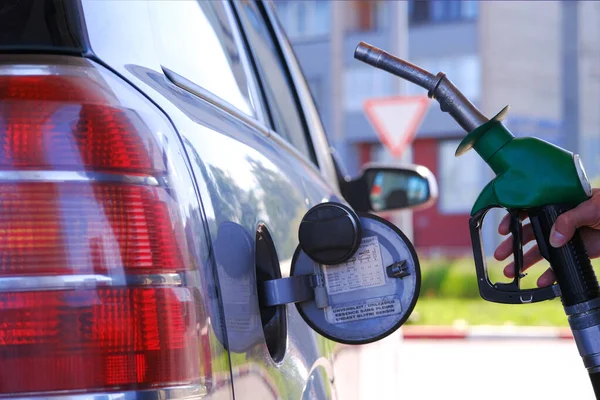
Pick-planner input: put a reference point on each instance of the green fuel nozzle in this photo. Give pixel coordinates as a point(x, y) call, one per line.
point(533, 177)
point(529, 172)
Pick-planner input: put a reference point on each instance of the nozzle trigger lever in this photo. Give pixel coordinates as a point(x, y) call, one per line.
point(511, 292)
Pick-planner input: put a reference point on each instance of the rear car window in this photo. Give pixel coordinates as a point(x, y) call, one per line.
point(279, 91)
point(195, 39)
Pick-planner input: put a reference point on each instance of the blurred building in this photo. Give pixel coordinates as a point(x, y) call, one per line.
point(541, 57)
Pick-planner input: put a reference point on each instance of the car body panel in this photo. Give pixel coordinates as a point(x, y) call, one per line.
point(245, 175)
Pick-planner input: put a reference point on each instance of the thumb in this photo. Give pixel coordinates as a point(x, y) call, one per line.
point(585, 214)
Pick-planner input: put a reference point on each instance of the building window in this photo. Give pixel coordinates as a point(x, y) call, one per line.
point(362, 83)
point(304, 18)
point(461, 179)
point(365, 15)
point(439, 11)
point(463, 71)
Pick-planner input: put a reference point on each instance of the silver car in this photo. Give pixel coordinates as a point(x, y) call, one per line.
point(156, 159)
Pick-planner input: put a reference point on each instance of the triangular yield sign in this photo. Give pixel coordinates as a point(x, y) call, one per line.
point(396, 119)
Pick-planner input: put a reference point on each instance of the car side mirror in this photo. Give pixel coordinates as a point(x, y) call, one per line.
point(387, 188)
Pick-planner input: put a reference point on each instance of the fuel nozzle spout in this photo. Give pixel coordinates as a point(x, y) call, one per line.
point(439, 87)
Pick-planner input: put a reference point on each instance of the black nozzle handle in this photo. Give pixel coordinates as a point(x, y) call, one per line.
point(507, 293)
point(438, 87)
point(570, 263)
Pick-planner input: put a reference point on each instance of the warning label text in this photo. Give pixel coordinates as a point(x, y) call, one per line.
point(369, 309)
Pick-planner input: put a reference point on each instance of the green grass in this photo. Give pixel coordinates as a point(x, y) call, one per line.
point(449, 295)
point(442, 278)
point(431, 311)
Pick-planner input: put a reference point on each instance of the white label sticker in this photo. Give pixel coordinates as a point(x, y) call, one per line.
point(373, 308)
point(363, 270)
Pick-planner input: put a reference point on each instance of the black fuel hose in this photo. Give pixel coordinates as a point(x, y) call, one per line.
point(595, 379)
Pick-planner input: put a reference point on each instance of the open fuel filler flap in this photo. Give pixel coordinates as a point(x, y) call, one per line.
point(355, 278)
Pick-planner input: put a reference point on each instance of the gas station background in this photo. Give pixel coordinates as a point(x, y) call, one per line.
point(541, 57)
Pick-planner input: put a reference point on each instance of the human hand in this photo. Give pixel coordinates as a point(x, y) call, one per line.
point(585, 216)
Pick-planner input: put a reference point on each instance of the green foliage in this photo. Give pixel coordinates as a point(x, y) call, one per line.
point(460, 282)
point(448, 279)
point(433, 275)
point(449, 294)
point(456, 278)
point(465, 312)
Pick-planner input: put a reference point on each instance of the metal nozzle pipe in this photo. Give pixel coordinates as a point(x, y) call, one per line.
point(439, 87)
point(394, 65)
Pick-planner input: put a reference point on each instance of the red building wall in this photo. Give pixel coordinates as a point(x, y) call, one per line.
point(433, 230)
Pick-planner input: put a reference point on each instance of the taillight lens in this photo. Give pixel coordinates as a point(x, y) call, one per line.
point(70, 228)
point(93, 235)
point(86, 339)
point(63, 123)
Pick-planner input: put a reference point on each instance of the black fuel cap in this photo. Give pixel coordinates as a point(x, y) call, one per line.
point(330, 233)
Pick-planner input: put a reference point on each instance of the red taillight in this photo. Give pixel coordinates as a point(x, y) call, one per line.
point(48, 88)
point(53, 340)
point(62, 123)
point(70, 228)
point(90, 220)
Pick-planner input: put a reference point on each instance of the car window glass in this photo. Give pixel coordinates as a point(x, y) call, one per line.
point(195, 40)
point(285, 113)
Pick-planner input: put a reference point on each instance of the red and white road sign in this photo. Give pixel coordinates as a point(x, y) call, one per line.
point(396, 119)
